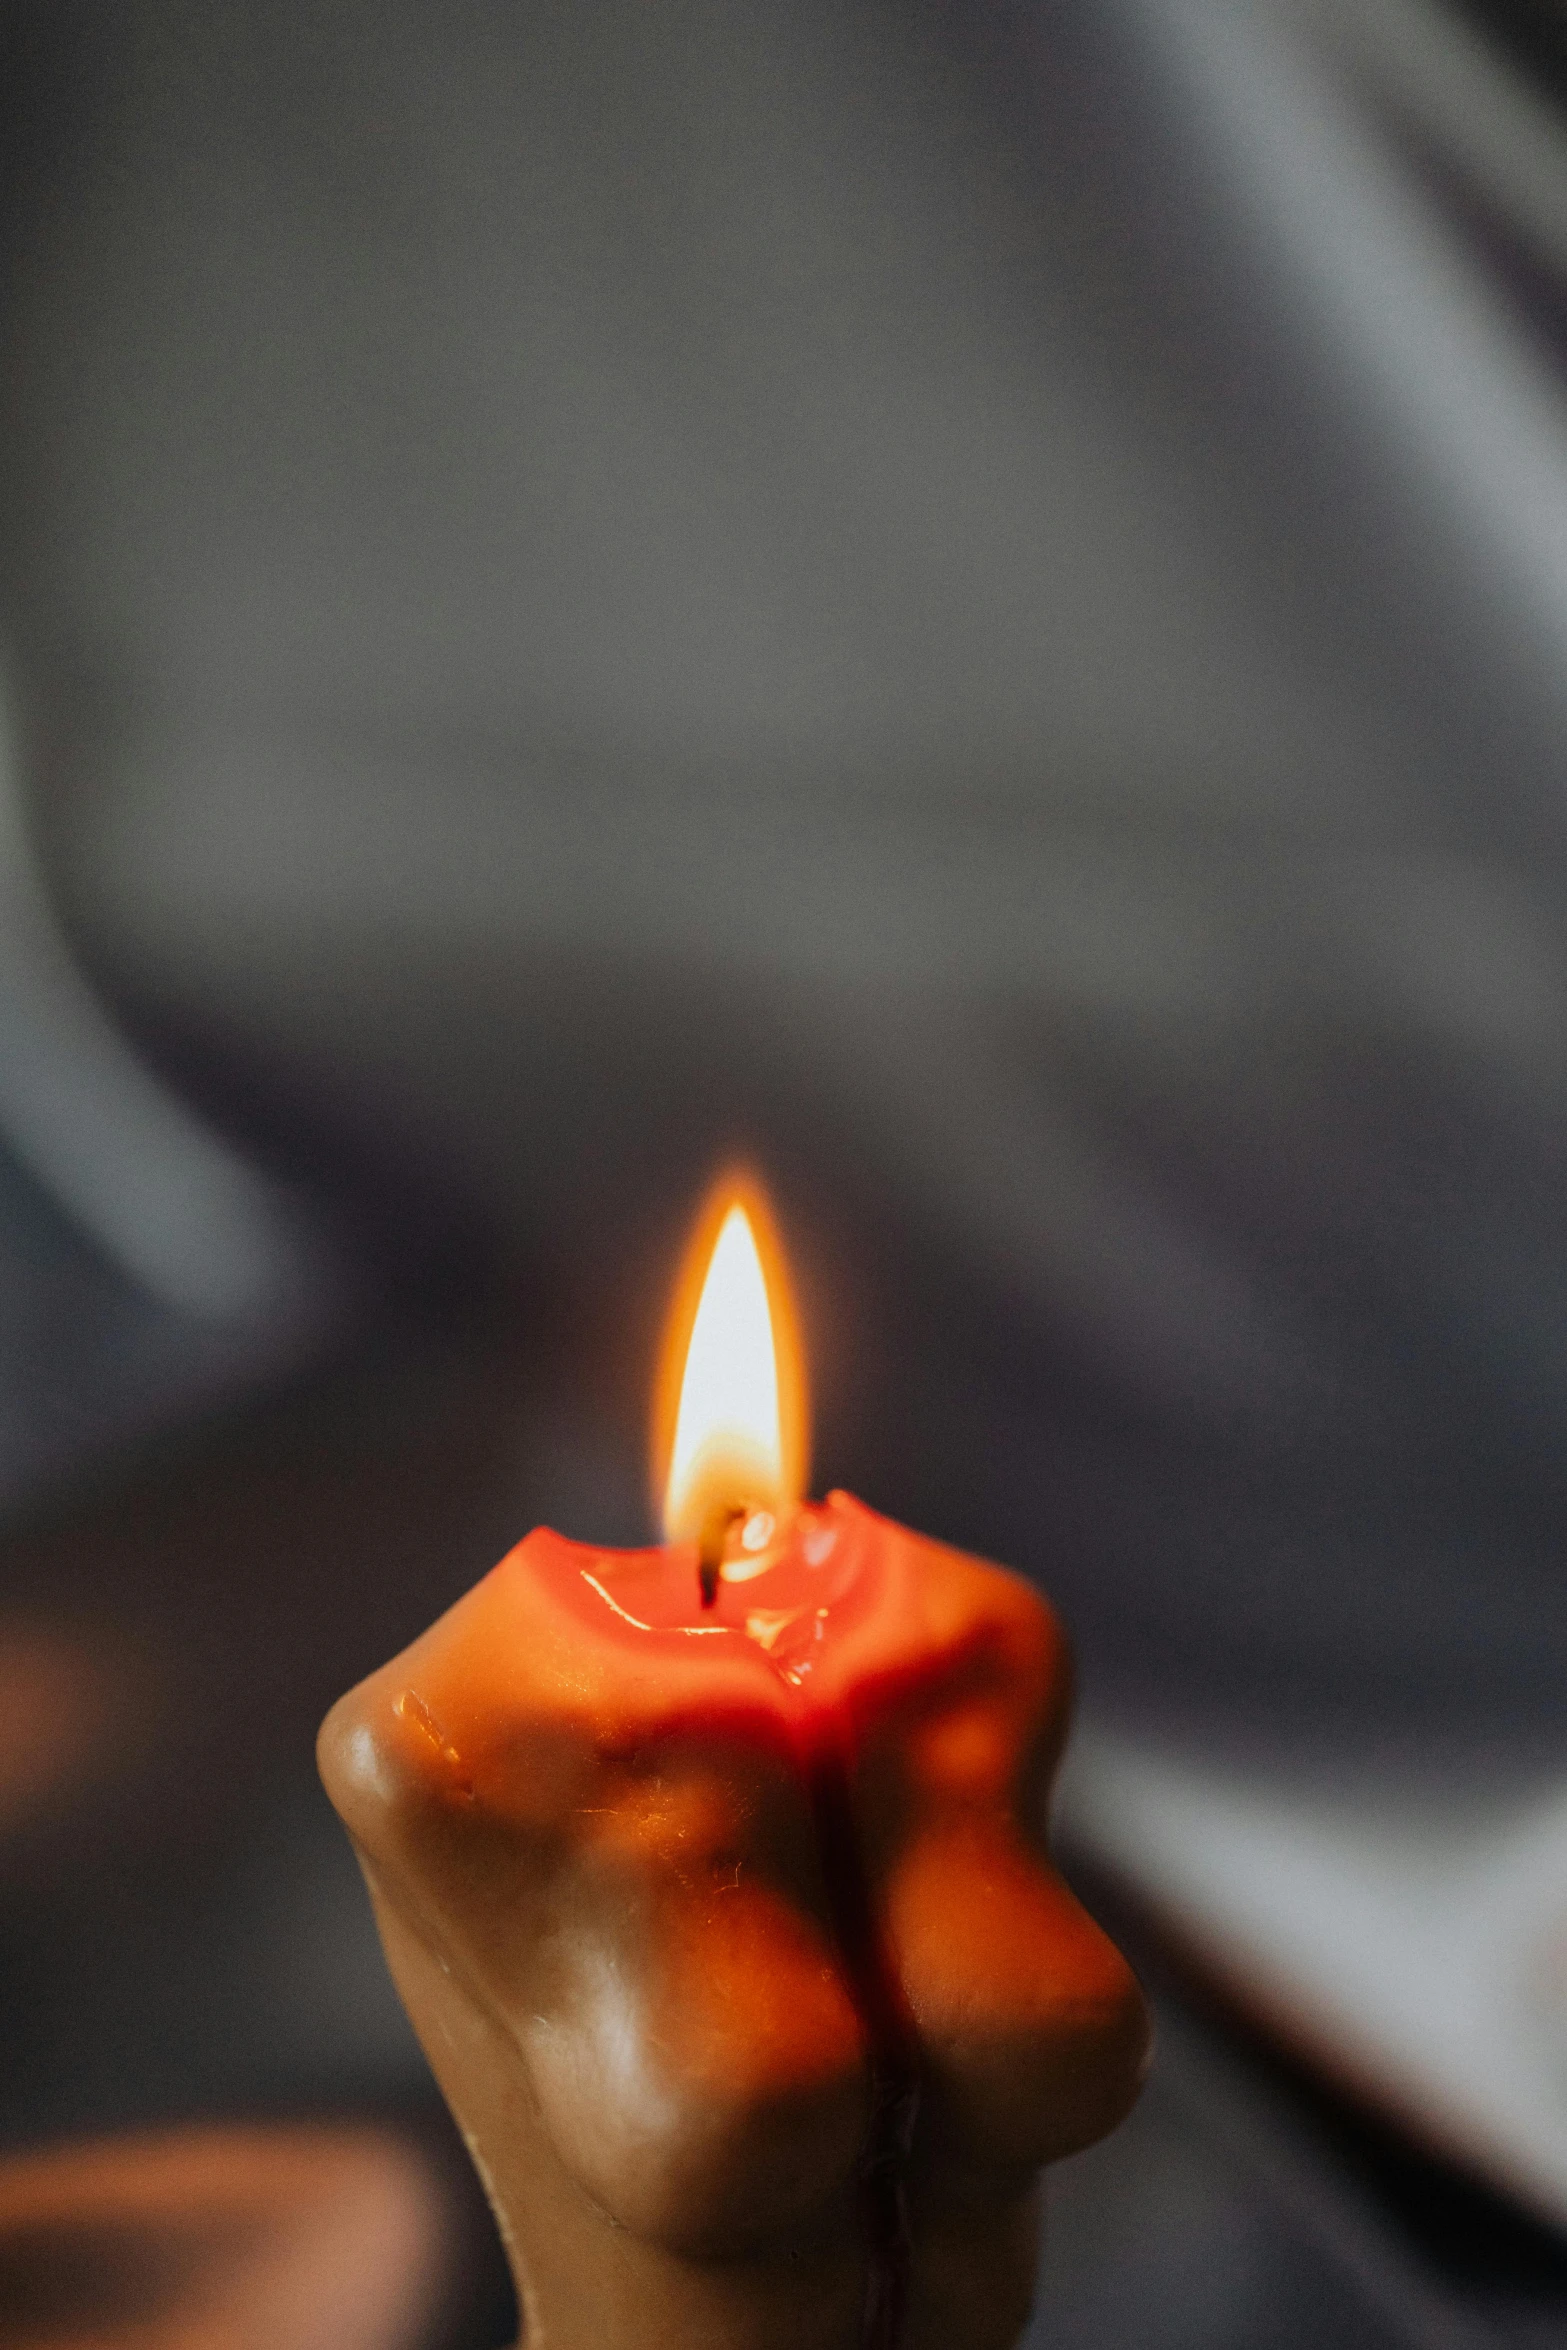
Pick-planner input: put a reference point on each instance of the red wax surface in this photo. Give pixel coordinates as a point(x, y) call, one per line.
point(732, 1937)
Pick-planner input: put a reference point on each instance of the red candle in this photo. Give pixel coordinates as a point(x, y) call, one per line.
point(714, 1879)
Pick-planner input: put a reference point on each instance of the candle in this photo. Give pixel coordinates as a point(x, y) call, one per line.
point(714, 1879)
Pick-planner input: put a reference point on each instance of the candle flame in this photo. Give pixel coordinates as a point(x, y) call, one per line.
point(731, 1418)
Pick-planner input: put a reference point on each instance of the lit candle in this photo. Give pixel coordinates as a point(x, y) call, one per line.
point(714, 1879)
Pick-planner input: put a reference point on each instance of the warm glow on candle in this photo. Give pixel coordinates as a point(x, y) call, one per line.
point(713, 1875)
point(734, 1438)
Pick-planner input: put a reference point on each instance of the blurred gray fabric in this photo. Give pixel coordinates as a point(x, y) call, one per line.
point(975, 599)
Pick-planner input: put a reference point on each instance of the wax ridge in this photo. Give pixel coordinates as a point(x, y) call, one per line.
point(877, 1995)
point(873, 1982)
point(870, 1974)
point(821, 1751)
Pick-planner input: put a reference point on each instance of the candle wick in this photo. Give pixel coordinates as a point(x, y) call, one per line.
point(714, 1545)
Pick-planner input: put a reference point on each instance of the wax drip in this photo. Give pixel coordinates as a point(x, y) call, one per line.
point(889, 2030)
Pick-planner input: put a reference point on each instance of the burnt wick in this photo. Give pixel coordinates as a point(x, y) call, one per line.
point(713, 1547)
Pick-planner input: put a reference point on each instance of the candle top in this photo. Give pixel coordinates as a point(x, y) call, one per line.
point(840, 1622)
point(785, 1577)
